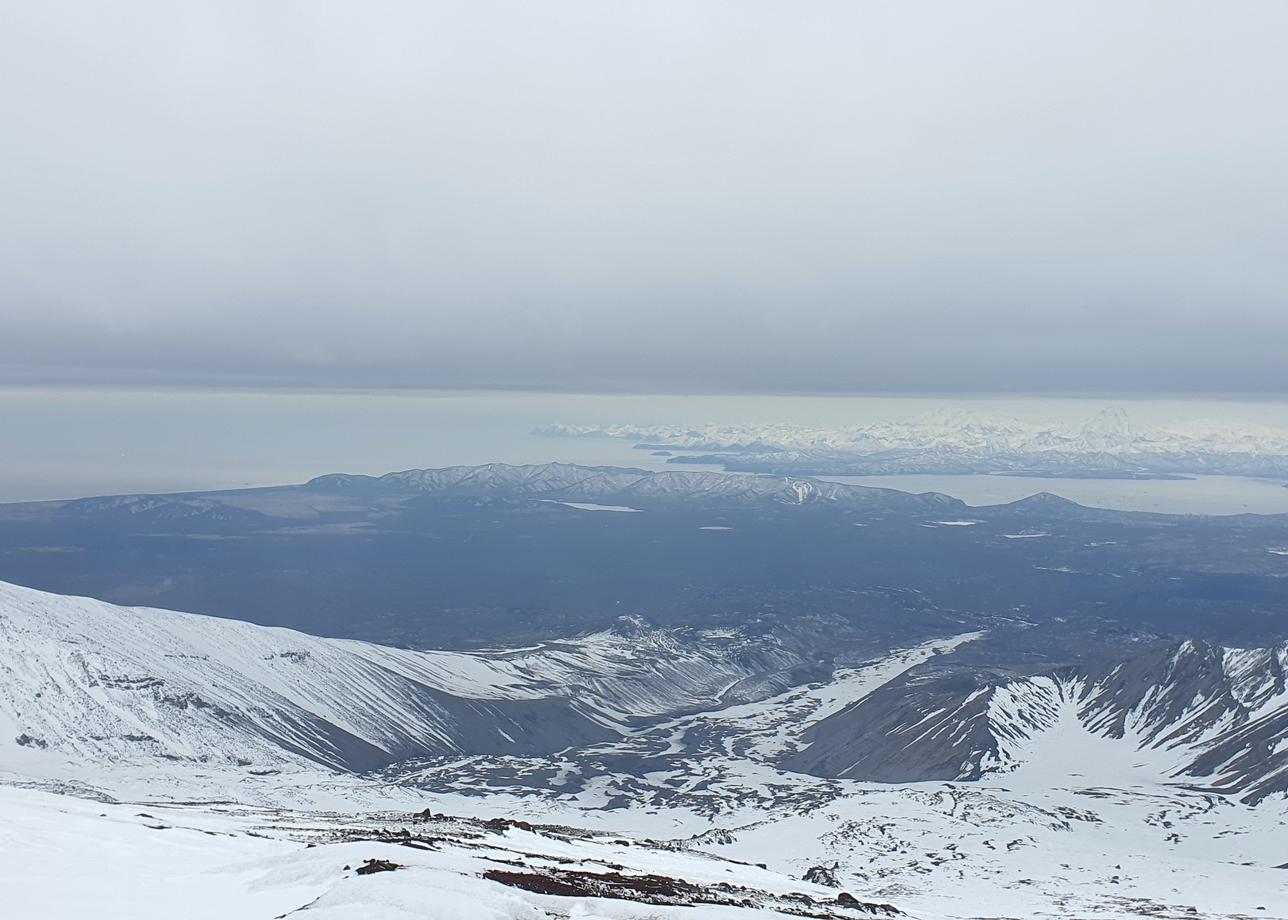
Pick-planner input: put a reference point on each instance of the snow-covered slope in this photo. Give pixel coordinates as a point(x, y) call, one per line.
point(1194, 712)
point(88, 680)
point(1080, 806)
point(164, 861)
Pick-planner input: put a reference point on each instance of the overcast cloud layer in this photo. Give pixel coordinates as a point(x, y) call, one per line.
point(656, 196)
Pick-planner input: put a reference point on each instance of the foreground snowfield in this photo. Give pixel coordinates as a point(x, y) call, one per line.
point(71, 857)
point(930, 852)
point(165, 765)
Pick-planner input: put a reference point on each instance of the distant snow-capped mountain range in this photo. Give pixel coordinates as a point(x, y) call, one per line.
point(955, 440)
point(1110, 430)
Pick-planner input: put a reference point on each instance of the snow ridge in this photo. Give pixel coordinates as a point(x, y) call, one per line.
point(88, 680)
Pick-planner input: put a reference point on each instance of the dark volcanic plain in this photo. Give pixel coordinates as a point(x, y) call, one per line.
point(490, 556)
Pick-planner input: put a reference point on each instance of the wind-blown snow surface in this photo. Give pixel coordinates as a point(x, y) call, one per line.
point(1080, 822)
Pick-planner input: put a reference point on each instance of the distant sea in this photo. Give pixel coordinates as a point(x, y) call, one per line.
point(64, 443)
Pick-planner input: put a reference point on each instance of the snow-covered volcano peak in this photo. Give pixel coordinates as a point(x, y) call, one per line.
point(1109, 428)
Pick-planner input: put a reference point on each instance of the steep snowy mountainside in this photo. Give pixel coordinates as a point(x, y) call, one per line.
point(1194, 712)
point(87, 680)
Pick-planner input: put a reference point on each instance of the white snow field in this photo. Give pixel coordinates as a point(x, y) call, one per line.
point(72, 857)
point(159, 765)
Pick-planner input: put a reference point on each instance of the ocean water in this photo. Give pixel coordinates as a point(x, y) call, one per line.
point(63, 443)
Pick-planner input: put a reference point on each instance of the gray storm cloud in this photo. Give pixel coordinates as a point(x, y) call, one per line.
point(662, 196)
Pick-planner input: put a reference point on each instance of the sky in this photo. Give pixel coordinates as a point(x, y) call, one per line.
point(696, 196)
